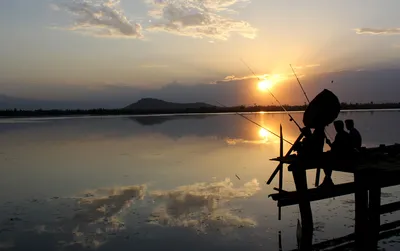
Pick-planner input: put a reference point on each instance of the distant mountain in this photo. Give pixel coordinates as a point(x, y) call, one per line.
point(157, 104)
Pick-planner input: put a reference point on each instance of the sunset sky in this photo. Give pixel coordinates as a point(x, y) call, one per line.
point(112, 52)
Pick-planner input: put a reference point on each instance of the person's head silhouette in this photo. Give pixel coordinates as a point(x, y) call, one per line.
point(339, 125)
point(349, 124)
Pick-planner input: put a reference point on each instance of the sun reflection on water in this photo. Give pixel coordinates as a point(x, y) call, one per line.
point(264, 134)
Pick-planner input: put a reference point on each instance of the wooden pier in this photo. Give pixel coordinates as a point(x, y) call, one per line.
point(372, 168)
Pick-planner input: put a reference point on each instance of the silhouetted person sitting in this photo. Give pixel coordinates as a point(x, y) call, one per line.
point(340, 148)
point(342, 143)
point(300, 147)
point(312, 145)
point(355, 136)
point(318, 141)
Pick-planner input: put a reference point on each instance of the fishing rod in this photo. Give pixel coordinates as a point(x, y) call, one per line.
point(301, 86)
point(317, 175)
point(252, 121)
point(291, 118)
point(305, 94)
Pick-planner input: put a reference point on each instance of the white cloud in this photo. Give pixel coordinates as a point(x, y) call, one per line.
point(372, 31)
point(194, 18)
point(101, 18)
point(306, 66)
point(273, 77)
point(236, 78)
point(232, 142)
point(198, 18)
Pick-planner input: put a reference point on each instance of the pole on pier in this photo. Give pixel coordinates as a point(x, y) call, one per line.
point(287, 154)
point(374, 213)
point(280, 170)
point(361, 209)
point(307, 225)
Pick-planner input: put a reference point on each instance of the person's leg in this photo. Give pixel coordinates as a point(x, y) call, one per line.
point(328, 177)
point(328, 170)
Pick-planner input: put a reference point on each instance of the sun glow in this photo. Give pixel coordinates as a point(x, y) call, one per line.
point(263, 133)
point(265, 85)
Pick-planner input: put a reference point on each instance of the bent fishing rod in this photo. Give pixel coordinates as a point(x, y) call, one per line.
point(291, 118)
point(252, 121)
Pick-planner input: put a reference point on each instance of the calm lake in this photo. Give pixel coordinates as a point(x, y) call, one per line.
point(190, 182)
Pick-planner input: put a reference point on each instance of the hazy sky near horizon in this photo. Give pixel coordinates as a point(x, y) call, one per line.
point(53, 49)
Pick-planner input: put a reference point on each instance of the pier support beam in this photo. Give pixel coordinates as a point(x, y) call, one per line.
point(361, 212)
point(374, 215)
point(300, 179)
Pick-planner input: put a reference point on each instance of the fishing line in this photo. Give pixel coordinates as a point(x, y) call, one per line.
point(252, 121)
point(291, 118)
point(308, 100)
point(301, 86)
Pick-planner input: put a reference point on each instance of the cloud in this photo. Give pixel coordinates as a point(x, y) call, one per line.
point(194, 18)
point(102, 18)
point(54, 7)
point(235, 78)
point(202, 206)
point(198, 18)
point(372, 31)
point(272, 77)
point(306, 66)
point(232, 142)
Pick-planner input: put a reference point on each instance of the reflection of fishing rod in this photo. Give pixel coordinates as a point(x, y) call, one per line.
point(257, 124)
point(291, 118)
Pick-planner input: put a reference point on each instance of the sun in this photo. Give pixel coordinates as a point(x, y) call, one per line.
point(265, 85)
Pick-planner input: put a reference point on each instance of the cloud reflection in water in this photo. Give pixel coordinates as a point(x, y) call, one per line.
point(99, 215)
point(104, 215)
point(202, 206)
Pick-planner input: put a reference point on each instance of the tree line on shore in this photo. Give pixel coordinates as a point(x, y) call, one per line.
point(214, 109)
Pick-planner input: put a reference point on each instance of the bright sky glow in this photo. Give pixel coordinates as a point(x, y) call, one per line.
point(265, 85)
point(73, 48)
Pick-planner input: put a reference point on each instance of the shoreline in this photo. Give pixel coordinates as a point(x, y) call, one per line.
point(128, 113)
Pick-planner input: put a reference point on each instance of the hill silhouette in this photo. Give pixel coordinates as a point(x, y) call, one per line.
point(158, 104)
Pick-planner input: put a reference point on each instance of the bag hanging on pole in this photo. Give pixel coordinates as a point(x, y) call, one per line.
point(322, 110)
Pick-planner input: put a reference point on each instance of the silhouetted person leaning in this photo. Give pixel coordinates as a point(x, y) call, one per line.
point(341, 147)
point(312, 146)
point(355, 136)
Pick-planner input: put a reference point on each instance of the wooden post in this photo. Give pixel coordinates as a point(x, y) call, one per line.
point(361, 208)
point(287, 154)
point(374, 214)
point(300, 179)
point(280, 171)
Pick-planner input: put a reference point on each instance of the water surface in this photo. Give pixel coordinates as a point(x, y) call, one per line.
point(190, 182)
